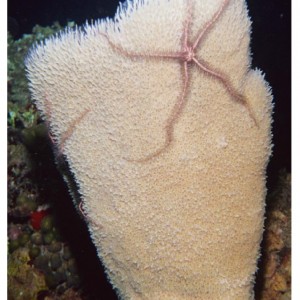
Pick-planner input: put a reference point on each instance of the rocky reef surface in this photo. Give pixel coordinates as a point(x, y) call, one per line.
point(50, 255)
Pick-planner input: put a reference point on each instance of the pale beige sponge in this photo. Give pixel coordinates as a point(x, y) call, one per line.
point(167, 132)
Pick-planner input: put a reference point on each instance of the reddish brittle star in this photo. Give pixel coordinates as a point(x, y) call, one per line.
point(187, 56)
point(69, 131)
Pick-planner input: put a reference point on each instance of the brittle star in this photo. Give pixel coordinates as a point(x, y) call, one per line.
point(186, 56)
point(69, 131)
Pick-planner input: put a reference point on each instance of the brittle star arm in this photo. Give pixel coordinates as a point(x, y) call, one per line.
point(177, 109)
point(86, 217)
point(228, 86)
point(66, 135)
point(203, 31)
point(186, 27)
point(173, 118)
point(132, 54)
point(48, 114)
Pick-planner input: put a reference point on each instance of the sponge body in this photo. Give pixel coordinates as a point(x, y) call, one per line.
point(188, 223)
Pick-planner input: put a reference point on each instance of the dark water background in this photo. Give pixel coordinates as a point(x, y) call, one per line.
point(271, 49)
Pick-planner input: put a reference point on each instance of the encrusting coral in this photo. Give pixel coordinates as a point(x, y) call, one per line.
point(167, 132)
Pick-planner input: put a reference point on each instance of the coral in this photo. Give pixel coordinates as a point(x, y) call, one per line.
point(24, 128)
point(187, 222)
point(21, 191)
point(16, 80)
point(33, 236)
point(276, 281)
point(23, 281)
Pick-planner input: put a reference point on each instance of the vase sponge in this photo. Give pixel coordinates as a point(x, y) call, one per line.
point(186, 223)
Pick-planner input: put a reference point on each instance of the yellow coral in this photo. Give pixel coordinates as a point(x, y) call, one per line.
point(24, 282)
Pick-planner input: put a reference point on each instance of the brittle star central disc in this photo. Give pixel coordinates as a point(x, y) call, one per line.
point(186, 56)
